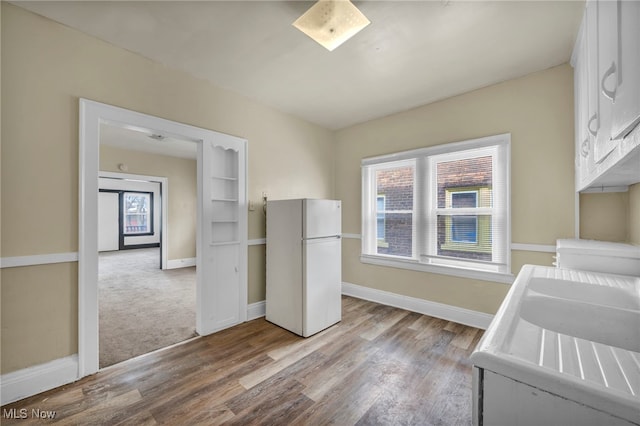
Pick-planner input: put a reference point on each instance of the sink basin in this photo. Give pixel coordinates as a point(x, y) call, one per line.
point(604, 324)
point(597, 294)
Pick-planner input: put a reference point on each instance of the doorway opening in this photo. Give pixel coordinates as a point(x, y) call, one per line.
point(142, 308)
point(220, 261)
point(145, 301)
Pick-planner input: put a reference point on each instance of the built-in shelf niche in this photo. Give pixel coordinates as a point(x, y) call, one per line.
point(224, 196)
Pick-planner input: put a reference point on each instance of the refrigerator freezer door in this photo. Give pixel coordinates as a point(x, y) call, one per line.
point(322, 290)
point(322, 218)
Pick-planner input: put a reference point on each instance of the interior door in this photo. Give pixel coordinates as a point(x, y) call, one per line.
point(108, 225)
point(222, 234)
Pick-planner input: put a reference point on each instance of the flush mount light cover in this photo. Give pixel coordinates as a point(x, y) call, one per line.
point(331, 22)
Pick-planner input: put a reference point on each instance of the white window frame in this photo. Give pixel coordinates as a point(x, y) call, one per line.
point(149, 215)
point(425, 211)
point(371, 209)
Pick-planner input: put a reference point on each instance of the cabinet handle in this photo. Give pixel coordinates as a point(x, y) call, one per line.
point(593, 132)
point(611, 94)
point(584, 149)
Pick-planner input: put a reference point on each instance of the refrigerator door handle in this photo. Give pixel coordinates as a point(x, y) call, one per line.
point(337, 237)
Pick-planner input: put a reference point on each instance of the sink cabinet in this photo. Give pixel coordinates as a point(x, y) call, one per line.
point(606, 62)
point(505, 401)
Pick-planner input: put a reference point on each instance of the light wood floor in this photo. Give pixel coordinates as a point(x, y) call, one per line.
point(379, 366)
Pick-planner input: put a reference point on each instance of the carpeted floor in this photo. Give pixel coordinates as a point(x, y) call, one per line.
point(142, 308)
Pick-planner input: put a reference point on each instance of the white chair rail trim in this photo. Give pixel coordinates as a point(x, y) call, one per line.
point(51, 258)
point(38, 259)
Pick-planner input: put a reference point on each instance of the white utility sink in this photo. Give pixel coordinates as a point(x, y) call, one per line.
point(564, 348)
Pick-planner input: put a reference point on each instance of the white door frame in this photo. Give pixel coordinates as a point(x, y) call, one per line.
point(164, 202)
point(92, 114)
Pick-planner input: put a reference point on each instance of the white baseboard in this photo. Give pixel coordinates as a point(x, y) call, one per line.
point(39, 378)
point(426, 307)
point(256, 310)
point(181, 263)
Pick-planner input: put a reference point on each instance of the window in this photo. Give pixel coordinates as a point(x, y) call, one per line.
point(137, 213)
point(443, 209)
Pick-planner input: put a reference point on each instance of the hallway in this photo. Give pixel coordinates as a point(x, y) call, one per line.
point(142, 308)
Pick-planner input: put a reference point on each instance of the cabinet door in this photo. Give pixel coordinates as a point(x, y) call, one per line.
point(626, 108)
point(591, 125)
point(608, 67)
point(586, 95)
point(583, 142)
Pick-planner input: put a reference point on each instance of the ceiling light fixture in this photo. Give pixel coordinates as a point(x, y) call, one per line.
point(331, 22)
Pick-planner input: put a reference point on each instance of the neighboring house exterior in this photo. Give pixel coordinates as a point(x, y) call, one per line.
point(465, 184)
point(394, 206)
point(462, 183)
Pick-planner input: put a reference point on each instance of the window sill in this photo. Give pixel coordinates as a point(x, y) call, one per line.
point(395, 262)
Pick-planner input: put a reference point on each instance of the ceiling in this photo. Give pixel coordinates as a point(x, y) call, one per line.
point(413, 52)
point(137, 139)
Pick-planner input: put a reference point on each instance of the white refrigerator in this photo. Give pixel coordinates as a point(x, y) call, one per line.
point(304, 264)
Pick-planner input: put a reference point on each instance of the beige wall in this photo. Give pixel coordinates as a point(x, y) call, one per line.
point(611, 216)
point(46, 68)
point(604, 216)
point(634, 214)
point(39, 314)
point(181, 175)
point(538, 112)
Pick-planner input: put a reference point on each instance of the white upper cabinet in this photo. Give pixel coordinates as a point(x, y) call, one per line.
point(607, 35)
point(606, 59)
